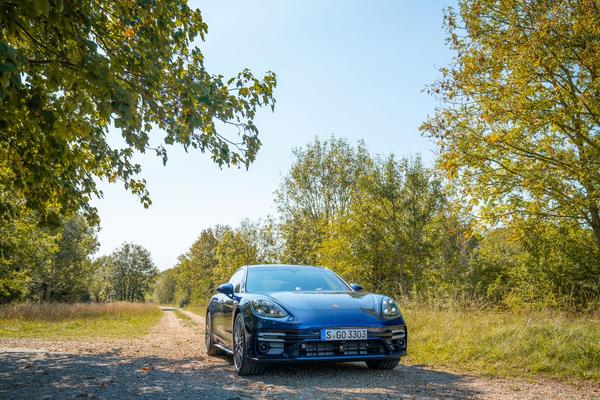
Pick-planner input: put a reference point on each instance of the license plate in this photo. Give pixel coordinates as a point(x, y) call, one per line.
point(343, 334)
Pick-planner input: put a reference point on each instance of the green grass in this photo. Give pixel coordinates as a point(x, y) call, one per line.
point(70, 321)
point(505, 344)
point(198, 309)
point(187, 321)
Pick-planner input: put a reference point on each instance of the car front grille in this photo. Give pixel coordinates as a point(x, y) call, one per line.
point(340, 348)
point(304, 343)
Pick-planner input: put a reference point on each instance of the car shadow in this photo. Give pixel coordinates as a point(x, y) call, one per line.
point(43, 375)
point(357, 381)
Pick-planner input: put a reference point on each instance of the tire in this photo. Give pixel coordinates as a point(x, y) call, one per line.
point(243, 366)
point(382, 364)
point(209, 341)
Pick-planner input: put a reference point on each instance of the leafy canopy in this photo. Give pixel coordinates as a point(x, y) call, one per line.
point(130, 273)
point(71, 69)
point(519, 124)
point(317, 189)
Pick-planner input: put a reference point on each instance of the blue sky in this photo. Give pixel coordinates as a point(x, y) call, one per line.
point(354, 69)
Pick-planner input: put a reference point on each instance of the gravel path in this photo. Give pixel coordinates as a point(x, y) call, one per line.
point(170, 363)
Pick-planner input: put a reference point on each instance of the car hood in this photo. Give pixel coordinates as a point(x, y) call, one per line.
point(325, 300)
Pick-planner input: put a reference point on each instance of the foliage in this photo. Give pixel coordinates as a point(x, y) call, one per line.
point(264, 237)
point(318, 188)
point(537, 265)
point(69, 71)
point(193, 274)
point(164, 290)
point(131, 273)
point(67, 276)
point(232, 252)
point(396, 237)
point(400, 232)
point(45, 263)
point(519, 124)
point(518, 130)
point(214, 257)
point(100, 288)
point(24, 247)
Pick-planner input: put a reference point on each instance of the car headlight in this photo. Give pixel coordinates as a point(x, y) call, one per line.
point(268, 308)
point(389, 307)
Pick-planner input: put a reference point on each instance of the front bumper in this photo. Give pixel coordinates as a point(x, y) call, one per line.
point(305, 345)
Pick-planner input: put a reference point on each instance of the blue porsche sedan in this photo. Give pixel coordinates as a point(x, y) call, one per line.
point(270, 314)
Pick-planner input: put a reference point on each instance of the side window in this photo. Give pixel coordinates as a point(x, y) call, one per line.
point(236, 280)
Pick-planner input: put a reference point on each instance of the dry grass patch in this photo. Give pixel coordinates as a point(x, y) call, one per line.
point(502, 343)
point(198, 309)
point(116, 320)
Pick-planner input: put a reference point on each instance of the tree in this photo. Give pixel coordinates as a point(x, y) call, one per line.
point(132, 273)
point(195, 270)
point(395, 237)
point(45, 263)
point(69, 273)
point(536, 264)
point(216, 254)
point(24, 247)
point(264, 235)
point(166, 285)
point(233, 251)
point(70, 70)
point(519, 127)
point(317, 189)
point(101, 287)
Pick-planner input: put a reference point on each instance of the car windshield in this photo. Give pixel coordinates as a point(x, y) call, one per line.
point(274, 279)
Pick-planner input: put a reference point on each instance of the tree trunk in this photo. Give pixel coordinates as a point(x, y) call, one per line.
point(595, 223)
point(48, 293)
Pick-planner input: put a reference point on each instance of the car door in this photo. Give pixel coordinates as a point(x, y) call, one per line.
point(216, 311)
point(229, 305)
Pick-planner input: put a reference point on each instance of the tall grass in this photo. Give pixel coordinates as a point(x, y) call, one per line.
point(197, 308)
point(505, 343)
point(71, 321)
point(60, 311)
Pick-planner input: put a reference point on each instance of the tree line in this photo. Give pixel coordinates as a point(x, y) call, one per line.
point(68, 73)
point(509, 214)
point(392, 225)
point(55, 263)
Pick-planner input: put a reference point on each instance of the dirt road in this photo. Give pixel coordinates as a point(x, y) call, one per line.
point(170, 363)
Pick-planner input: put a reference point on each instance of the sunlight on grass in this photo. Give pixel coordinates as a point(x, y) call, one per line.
point(185, 320)
point(68, 321)
point(198, 309)
point(505, 344)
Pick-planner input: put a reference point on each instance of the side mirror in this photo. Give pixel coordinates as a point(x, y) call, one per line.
point(226, 289)
point(356, 287)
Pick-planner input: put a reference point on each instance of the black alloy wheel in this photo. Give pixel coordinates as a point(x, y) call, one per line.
point(243, 365)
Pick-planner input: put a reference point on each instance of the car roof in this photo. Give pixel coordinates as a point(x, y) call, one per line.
point(282, 266)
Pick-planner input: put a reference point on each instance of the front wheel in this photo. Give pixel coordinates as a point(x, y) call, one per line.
point(243, 365)
point(382, 364)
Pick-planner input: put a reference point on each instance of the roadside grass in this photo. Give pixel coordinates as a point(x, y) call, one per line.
point(70, 321)
point(505, 344)
point(198, 309)
point(185, 320)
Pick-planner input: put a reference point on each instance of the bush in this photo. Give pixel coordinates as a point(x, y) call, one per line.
point(183, 302)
